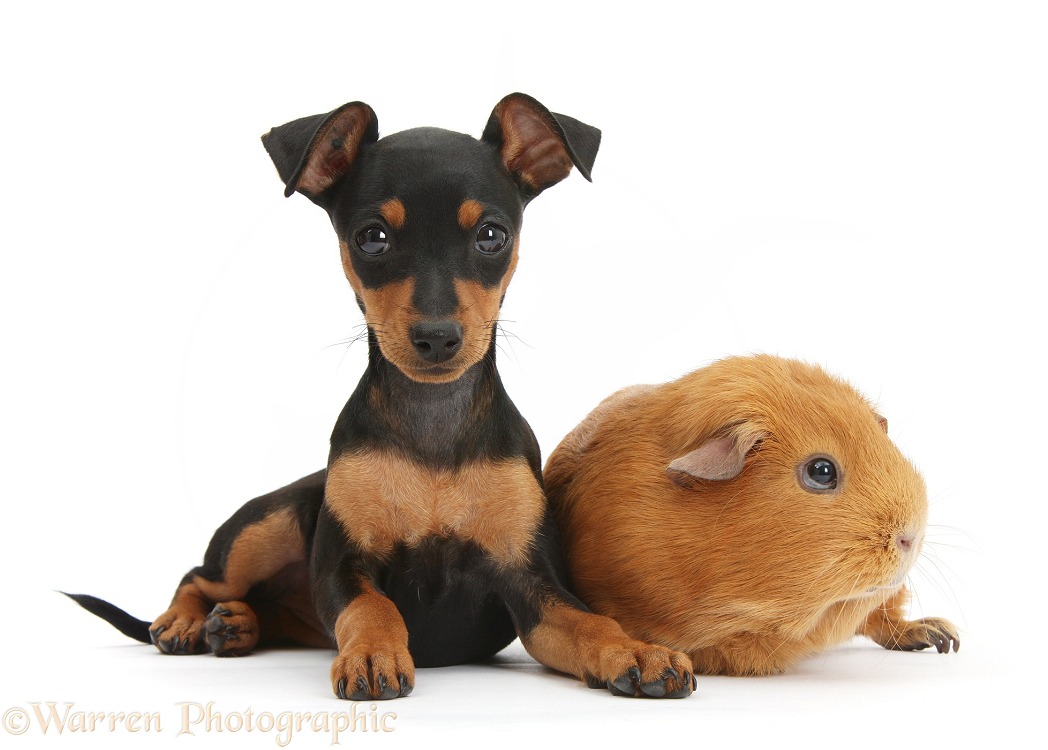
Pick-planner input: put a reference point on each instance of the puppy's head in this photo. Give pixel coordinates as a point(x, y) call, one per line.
point(428, 221)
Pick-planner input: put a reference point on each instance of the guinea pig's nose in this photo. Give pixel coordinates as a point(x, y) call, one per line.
point(436, 342)
point(906, 541)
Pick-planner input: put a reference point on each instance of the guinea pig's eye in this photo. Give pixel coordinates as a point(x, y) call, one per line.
point(491, 239)
point(819, 474)
point(372, 240)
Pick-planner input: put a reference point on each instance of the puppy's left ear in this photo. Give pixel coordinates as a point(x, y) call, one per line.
point(537, 146)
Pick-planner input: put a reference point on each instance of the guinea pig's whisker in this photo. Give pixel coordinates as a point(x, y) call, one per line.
point(941, 530)
point(940, 581)
point(915, 597)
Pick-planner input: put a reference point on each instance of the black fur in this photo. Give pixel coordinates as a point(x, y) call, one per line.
point(130, 626)
point(304, 496)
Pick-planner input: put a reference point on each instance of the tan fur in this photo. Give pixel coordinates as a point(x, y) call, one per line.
point(592, 646)
point(469, 213)
point(478, 311)
point(888, 626)
point(382, 499)
point(389, 311)
point(259, 552)
point(746, 574)
point(574, 445)
point(184, 619)
point(262, 551)
point(372, 642)
point(393, 211)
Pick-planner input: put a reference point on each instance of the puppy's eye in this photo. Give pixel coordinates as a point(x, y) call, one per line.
point(491, 239)
point(819, 474)
point(372, 241)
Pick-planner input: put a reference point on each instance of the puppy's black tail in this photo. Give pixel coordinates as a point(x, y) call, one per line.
point(118, 618)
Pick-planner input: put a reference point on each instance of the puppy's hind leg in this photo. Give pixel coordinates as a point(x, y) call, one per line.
point(263, 538)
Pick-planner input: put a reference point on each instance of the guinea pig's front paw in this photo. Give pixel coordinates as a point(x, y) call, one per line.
point(644, 672)
point(914, 635)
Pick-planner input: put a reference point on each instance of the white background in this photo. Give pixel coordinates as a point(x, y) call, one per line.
point(858, 185)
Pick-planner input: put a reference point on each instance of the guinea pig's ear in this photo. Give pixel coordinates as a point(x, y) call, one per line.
point(719, 458)
point(883, 422)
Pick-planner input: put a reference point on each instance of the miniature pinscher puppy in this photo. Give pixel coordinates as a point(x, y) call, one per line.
point(428, 540)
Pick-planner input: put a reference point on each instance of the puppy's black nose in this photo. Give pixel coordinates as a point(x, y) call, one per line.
point(436, 342)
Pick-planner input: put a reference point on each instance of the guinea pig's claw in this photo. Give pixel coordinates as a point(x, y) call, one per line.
point(926, 632)
point(940, 633)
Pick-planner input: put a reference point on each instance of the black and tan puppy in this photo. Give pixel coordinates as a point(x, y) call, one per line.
point(428, 540)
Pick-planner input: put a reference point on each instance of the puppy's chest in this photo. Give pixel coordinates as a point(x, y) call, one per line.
point(383, 500)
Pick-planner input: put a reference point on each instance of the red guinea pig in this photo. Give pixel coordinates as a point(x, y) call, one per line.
point(748, 514)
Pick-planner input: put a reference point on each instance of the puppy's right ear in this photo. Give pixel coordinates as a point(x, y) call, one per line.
point(717, 459)
point(313, 153)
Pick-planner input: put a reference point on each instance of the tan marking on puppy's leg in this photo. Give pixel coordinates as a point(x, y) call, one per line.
point(393, 211)
point(180, 629)
point(595, 649)
point(259, 552)
point(373, 661)
point(469, 213)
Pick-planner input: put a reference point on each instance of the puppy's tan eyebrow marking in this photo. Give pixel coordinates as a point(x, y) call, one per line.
point(469, 213)
point(394, 212)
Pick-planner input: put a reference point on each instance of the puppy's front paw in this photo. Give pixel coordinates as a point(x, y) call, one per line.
point(178, 632)
point(379, 674)
point(231, 629)
point(915, 635)
point(642, 670)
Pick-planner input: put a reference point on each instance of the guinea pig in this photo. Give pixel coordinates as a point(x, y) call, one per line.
point(749, 514)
